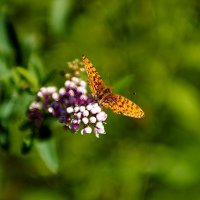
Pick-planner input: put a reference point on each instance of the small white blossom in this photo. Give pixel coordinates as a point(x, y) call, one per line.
point(96, 110)
point(70, 84)
point(99, 131)
point(93, 119)
point(81, 89)
point(50, 110)
point(51, 89)
point(99, 125)
point(101, 116)
point(79, 115)
point(85, 113)
point(55, 96)
point(69, 109)
point(95, 104)
point(40, 94)
point(83, 83)
point(89, 107)
point(76, 109)
point(82, 108)
point(62, 91)
point(75, 121)
point(83, 97)
point(43, 90)
point(71, 93)
point(87, 130)
point(67, 83)
point(35, 105)
point(85, 120)
point(75, 80)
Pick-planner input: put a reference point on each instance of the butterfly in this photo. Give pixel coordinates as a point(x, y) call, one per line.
point(105, 97)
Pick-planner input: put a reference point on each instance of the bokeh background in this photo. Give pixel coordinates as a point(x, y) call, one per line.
point(151, 48)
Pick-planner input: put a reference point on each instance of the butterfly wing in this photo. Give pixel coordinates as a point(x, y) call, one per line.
point(95, 82)
point(122, 105)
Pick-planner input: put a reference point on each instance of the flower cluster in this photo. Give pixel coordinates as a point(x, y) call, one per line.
point(71, 105)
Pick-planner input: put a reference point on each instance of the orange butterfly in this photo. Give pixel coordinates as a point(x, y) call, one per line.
point(106, 98)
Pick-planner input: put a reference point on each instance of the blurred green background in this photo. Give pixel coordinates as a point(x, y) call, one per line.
point(143, 46)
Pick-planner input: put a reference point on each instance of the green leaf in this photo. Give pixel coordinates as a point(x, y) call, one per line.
point(183, 99)
point(59, 14)
point(27, 143)
point(5, 47)
point(48, 153)
point(35, 66)
point(28, 77)
point(4, 138)
point(6, 108)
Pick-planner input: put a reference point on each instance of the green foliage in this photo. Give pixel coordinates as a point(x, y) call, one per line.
point(150, 48)
point(47, 151)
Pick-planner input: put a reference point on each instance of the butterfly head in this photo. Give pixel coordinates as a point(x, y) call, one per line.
point(107, 90)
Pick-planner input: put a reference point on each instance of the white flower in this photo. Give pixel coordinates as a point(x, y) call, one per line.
point(93, 119)
point(82, 90)
point(51, 89)
point(69, 109)
point(78, 115)
point(40, 94)
point(55, 96)
point(99, 125)
point(70, 84)
point(85, 120)
point(85, 113)
point(43, 90)
point(71, 92)
point(62, 91)
point(75, 80)
point(83, 97)
point(83, 84)
point(50, 109)
point(67, 83)
point(99, 129)
point(35, 105)
point(87, 130)
point(101, 116)
point(76, 109)
point(96, 109)
point(89, 107)
point(82, 108)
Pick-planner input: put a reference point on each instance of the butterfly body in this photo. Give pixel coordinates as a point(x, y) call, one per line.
point(106, 98)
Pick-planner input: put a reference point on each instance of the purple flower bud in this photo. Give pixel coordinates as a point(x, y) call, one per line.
point(74, 126)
